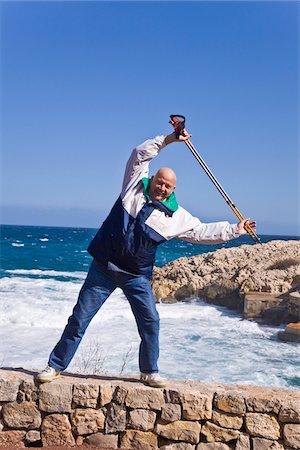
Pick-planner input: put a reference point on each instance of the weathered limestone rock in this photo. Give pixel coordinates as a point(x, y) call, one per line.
point(8, 390)
point(87, 421)
point(180, 430)
point(262, 425)
point(266, 444)
point(33, 436)
point(171, 412)
point(227, 420)
point(106, 393)
point(263, 404)
point(86, 395)
point(290, 412)
point(243, 442)
point(214, 433)
point(139, 440)
point(115, 418)
point(145, 398)
point(291, 435)
point(56, 430)
point(12, 437)
point(212, 446)
point(21, 415)
point(141, 419)
point(226, 275)
point(102, 440)
point(55, 397)
point(27, 392)
point(119, 395)
point(230, 402)
point(178, 446)
point(1, 425)
point(196, 406)
point(173, 396)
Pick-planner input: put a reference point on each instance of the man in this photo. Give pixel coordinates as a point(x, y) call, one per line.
point(145, 215)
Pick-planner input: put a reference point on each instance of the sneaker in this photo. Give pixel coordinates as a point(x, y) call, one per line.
point(48, 374)
point(153, 379)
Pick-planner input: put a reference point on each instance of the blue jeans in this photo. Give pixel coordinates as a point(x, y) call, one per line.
point(99, 284)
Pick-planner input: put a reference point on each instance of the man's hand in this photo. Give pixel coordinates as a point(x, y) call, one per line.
point(182, 137)
point(241, 226)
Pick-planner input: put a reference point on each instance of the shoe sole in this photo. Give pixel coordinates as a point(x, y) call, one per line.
point(47, 380)
point(162, 385)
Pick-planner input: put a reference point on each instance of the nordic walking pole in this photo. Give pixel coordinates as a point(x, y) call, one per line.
point(178, 123)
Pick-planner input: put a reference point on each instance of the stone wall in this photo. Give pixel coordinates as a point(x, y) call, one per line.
point(123, 413)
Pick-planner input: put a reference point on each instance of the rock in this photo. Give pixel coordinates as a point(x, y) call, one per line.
point(86, 395)
point(227, 275)
point(141, 419)
point(1, 425)
point(79, 440)
point(196, 406)
point(290, 412)
point(87, 421)
point(178, 446)
point(173, 396)
point(102, 440)
point(243, 442)
point(106, 393)
point(171, 412)
point(227, 420)
point(139, 440)
point(28, 392)
point(291, 435)
point(266, 444)
point(56, 430)
point(21, 415)
point(212, 446)
point(179, 431)
point(119, 395)
point(230, 402)
point(291, 333)
point(294, 305)
point(55, 397)
point(214, 433)
point(263, 403)
point(33, 436)
point(145, 398)
point(8, 390)
point(12, 437)
point(262, 425)
point(115, 418)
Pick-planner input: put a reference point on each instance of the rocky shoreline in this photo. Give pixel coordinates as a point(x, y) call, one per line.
point(261, 281)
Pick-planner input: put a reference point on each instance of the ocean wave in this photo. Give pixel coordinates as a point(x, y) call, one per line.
point(212, 343)
point(47, 273)
point(16, 244)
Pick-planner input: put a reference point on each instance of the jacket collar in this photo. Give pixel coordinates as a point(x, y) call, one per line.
point(169, 206)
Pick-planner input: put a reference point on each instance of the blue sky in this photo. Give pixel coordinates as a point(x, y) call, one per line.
point(84, 82)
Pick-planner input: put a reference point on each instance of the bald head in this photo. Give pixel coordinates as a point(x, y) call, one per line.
point(162, 184)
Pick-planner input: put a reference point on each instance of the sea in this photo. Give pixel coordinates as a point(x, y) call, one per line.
point(42, 270)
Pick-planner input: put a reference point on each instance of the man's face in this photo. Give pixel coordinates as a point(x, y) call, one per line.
point(162, 184)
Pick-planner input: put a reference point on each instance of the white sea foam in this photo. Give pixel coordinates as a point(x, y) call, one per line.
point(16, 244)
point(198, 341)
point(44, 239)
point(51, 273)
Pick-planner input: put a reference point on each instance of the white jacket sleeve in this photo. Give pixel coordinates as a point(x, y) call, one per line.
point(209, 233)
point(137, 166)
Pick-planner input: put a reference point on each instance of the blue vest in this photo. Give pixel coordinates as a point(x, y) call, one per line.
point(128, 242)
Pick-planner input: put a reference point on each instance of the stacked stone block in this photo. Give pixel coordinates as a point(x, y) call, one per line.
point(126, 414)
